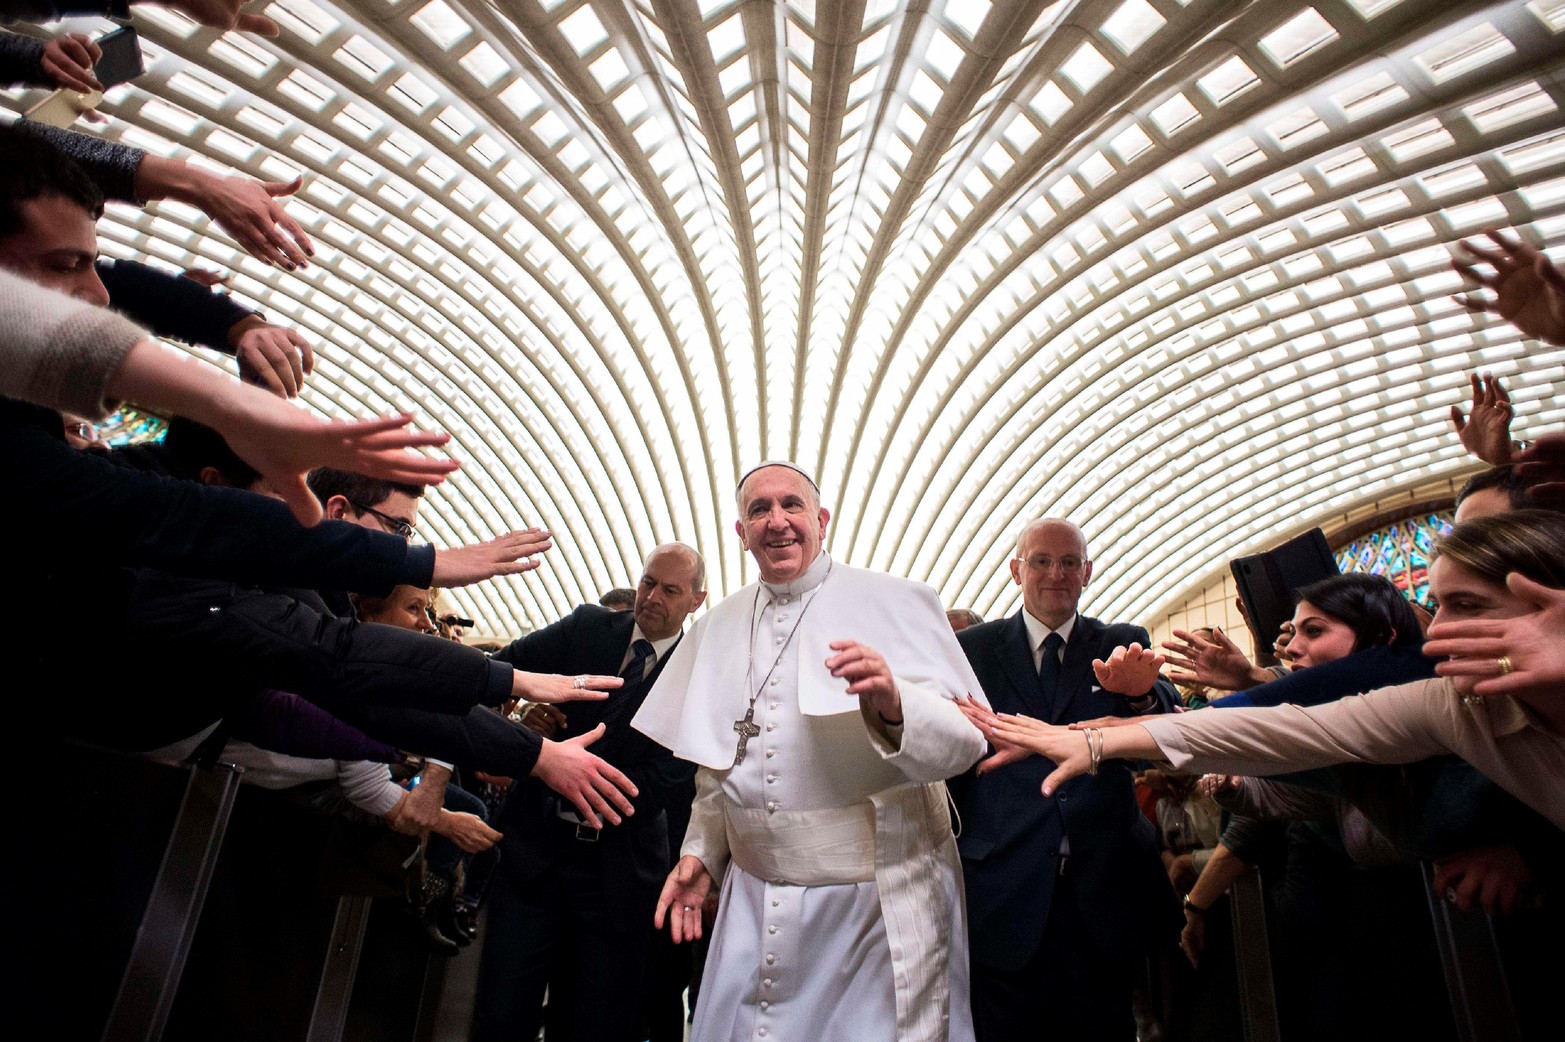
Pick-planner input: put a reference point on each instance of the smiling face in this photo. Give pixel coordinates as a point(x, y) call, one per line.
point(1318, 637)
point(1463, 595)
point(1052, 568)
point(781, 522)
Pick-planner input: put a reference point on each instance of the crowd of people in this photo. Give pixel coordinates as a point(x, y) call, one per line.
point(828, 807)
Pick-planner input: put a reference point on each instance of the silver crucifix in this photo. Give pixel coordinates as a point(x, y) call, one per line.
point(746, 729)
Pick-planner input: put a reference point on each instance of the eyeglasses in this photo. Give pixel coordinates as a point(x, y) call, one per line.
point(394, 525)
point(1045, 563)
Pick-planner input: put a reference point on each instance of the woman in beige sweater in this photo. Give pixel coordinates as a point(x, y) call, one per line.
point(1517, 739)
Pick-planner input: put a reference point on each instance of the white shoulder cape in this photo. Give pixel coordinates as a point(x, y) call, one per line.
point(701, 692)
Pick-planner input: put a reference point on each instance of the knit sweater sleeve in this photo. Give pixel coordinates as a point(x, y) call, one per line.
point(60, 353)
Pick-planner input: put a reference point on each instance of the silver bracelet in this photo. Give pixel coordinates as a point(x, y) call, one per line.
point(1094, 751)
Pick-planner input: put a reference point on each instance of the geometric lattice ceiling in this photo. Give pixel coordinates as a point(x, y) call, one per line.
point(1178, 271)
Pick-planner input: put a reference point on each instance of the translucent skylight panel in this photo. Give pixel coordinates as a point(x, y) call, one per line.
point(1298, 36)
point(363, 58)
point(1464, 52)
point(943, 53)
point(440, 23)
point(235, 50)
point(1498, 111)
point(582, 29)
point(1550, 12)
point(1086, 67)
point(1369, 95)
point(1228, 80)
point(1050, 102)
point(1130, 143)
point(303, 18)
point(1132, 24)
point(1175, 114)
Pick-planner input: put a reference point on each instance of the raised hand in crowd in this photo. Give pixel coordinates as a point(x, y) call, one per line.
point(1284, 638)
point(1217, 663)
point(984, 718)
point(242, 206)
point(1519, 655)
point(1528, 288)
point(509, 554)
point(553, 688)
point(593, 785)
point(543, 720)
point(274, 357)
point(68, 61)
point(1128, 670)
point(1543, 465)
point(281, 441)
point(1494, 879)
point(1487, 432)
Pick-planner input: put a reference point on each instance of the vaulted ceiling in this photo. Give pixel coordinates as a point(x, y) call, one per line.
point(1177, 271)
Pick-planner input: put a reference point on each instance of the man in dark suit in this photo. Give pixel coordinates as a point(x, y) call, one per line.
point(1064, 893)
point(572, 905)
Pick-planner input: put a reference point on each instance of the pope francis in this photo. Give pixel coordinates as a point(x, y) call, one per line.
point(819, 704)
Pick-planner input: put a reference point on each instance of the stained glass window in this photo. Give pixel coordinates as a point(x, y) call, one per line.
point(1400, 552)
point(132, 427)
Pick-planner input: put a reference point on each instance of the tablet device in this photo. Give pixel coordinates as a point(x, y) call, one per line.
point(1266, 582)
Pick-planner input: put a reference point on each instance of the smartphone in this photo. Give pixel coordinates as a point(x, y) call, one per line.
point(121, 59)
point(1266, 582)
point(61, 108)
point(120, 62)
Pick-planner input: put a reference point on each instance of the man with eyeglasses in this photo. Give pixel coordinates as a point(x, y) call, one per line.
point(1064, 893)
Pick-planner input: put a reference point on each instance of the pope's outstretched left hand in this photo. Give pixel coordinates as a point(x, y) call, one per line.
point(868, 676)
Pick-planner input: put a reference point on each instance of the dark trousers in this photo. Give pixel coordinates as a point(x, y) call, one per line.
point(1068, 991)
point(566, 930)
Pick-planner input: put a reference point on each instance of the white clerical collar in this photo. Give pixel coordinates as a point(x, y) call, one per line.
point(659, 647)
point(812, 577)
point(1037, 632)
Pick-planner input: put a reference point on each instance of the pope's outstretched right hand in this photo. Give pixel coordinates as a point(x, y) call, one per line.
point(685, 893)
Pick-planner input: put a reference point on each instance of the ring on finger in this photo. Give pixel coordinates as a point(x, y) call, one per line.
point(579, 683)
point(1505, 665)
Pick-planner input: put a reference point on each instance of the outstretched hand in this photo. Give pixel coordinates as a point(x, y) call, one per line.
point(1530, 643)
point(553, 688)
point(274, 357)
point(509, 554)
point(1129, 671)
point(1529, 290)
point(1069, 750)
point(1487, 433)
point(1216, 663)
point(684, 894)
point(984, 718)
point(592, 785)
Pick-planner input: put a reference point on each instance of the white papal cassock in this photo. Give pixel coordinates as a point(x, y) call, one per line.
point(841, 914)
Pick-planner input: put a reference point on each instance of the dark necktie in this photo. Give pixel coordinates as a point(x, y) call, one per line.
point(640, 653)
point(1049, 665)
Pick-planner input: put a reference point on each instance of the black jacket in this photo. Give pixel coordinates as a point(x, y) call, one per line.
point(1011, 833)
point(636, 859)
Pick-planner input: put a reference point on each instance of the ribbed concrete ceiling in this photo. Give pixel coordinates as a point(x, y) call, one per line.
point(1178, 271)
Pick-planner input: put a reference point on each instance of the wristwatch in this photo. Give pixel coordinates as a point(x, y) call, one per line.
point(1192, 908)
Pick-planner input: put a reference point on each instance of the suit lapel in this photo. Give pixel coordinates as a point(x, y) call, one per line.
point(602, 654)
point(1014, 655)
point(1076, 675)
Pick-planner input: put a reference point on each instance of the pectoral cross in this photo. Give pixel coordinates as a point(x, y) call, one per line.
point(746, 729)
